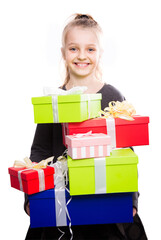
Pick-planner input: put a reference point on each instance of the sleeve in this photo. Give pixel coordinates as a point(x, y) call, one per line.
point(42, 144)
point(41, 147)
point(110, 93)
point(26, 202)
point(47, 142)
point(135, 200)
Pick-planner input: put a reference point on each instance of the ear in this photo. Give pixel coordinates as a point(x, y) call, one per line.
point(63, 53)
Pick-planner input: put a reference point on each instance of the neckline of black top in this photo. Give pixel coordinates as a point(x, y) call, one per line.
point(99, 91)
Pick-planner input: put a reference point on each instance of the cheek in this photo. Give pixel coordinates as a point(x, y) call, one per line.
point(95, 56)
point(96, 59)
point(69, 57)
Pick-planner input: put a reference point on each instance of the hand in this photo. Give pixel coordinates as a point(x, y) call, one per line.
point(28, 208)
point(134, 211)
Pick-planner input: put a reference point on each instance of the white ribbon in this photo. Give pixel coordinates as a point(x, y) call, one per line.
point(60, 205)
point(60, 201)
point(40, 176)
point(110, 124)
point(61, 180)
point(100, 175)
point(41, 179)
point(55, 108)
point(20, 179)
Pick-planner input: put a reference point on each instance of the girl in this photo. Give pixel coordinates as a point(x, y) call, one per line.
point(81, 51)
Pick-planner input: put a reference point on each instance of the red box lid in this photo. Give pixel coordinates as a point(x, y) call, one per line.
point(30, 174)
point(137, 120)
point(95, 122)
point(98, 122)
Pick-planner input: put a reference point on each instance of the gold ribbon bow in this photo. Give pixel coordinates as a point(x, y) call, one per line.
point(29, 164)
point(118, 109)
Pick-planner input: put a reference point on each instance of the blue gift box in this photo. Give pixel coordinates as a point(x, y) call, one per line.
point(86, 209)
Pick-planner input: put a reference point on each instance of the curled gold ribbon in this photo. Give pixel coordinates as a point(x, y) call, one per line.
point(118, 109)
point(29, 164)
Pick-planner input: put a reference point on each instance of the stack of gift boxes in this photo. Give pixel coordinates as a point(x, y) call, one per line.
point(102, 167)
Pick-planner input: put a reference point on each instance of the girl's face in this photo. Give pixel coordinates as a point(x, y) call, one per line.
point(81, 52)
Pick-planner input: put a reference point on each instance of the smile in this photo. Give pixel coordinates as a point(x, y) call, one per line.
point(81, 65)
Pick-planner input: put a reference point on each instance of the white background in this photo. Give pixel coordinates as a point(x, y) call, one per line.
point(30, 41)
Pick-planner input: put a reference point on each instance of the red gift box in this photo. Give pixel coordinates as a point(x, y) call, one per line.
point(32, 180)
point(127, 133)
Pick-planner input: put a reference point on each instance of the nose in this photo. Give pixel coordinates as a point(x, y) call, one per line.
point(81, 55)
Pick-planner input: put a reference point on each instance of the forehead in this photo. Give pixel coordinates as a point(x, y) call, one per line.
point(79, 35)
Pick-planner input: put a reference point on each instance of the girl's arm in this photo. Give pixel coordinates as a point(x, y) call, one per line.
point(47, 142)
point(42, 144)
point(135, 202)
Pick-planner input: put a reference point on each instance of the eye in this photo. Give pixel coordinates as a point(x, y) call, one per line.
point(73, 49)
point(91, 49)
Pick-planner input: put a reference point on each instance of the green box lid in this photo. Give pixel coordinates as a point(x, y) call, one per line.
point(42, 100)
point(67, 98)
point(122, 156)
point(117, 157)
point(80, 162)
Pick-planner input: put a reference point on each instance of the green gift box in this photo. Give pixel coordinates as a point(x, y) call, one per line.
point(66, 108)
point(113, 174)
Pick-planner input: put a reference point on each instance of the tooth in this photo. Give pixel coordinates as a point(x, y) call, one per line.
point(82, 64)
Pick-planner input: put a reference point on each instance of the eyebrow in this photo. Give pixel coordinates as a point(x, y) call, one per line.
point(70, 44)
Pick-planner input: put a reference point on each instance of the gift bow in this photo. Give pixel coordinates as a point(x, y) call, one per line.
point(118, 109)
point(79, 135)
point(61, 172)
point(29, 164)
point(48, 91)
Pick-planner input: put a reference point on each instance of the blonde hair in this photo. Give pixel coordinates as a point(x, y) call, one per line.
point(84, 21)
